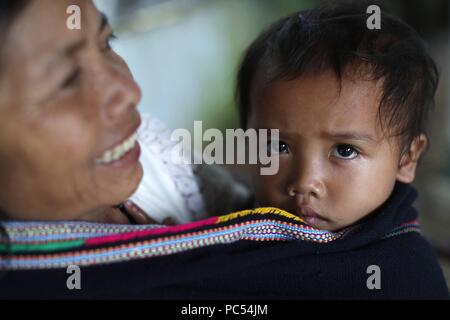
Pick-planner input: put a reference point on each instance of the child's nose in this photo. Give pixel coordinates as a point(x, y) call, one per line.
point(306, 181)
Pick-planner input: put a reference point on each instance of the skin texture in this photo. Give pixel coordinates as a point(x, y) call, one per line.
point(60, 109)
point(334, 158)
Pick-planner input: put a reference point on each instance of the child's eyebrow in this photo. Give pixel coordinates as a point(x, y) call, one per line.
point(350, 136)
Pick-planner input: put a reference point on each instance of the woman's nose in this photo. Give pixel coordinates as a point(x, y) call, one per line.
point(121, 93)
point(306, 182)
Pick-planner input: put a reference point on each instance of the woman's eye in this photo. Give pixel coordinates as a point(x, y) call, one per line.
point(344, 151)
point(71, 79)
point(107, 45)
point(277, 147)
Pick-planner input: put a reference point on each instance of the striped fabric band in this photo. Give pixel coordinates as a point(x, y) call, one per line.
point(40, 245)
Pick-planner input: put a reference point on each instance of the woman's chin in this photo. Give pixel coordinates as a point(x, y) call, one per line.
point(128, 185)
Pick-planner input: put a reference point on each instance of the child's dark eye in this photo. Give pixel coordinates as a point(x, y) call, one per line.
point(277, 147)
point(344, 151)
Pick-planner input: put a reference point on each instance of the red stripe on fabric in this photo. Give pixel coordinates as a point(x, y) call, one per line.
point(409, 222)
point(143, 233)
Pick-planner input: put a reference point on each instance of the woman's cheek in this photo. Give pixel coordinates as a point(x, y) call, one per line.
point(74, 140)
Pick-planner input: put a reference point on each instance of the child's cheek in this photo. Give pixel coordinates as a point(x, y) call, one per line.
point(358, 190)
point(268, 188)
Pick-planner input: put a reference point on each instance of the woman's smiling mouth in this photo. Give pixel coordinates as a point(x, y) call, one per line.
point(123, 153)
point(119, 151)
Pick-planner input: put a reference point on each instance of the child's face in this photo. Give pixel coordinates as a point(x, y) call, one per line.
point(336, 166)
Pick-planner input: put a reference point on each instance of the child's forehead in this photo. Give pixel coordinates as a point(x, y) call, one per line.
point(317, 102)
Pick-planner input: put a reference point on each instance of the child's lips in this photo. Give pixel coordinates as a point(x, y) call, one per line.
point(310, 216)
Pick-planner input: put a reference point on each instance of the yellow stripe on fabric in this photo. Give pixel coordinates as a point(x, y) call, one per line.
point(263, 210)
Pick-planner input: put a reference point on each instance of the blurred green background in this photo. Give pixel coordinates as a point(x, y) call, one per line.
point(185, 55)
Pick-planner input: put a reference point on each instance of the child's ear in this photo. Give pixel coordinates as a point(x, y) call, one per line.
point(408, 162)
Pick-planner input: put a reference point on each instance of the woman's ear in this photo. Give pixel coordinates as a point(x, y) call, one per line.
point(408, 162)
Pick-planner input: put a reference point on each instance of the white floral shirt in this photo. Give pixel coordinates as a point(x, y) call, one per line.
point(183, 192)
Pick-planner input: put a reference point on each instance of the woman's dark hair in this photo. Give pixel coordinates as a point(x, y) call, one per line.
point(336, 37)
point(9, 10)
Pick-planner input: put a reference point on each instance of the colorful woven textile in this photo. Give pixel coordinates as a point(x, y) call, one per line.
point(39, 245)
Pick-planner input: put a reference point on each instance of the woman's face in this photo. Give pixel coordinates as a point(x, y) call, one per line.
point(67, 105)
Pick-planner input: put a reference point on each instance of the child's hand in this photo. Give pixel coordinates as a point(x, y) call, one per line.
point(140, 217)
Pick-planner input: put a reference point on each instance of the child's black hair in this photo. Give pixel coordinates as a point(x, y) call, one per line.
point(336, 37)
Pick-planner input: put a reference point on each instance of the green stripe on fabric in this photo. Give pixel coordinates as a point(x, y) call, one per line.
point(53, 246)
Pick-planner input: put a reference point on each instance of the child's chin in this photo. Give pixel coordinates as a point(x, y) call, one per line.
point(324, 225)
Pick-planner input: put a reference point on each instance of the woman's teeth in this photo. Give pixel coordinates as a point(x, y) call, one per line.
point(117, 152)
